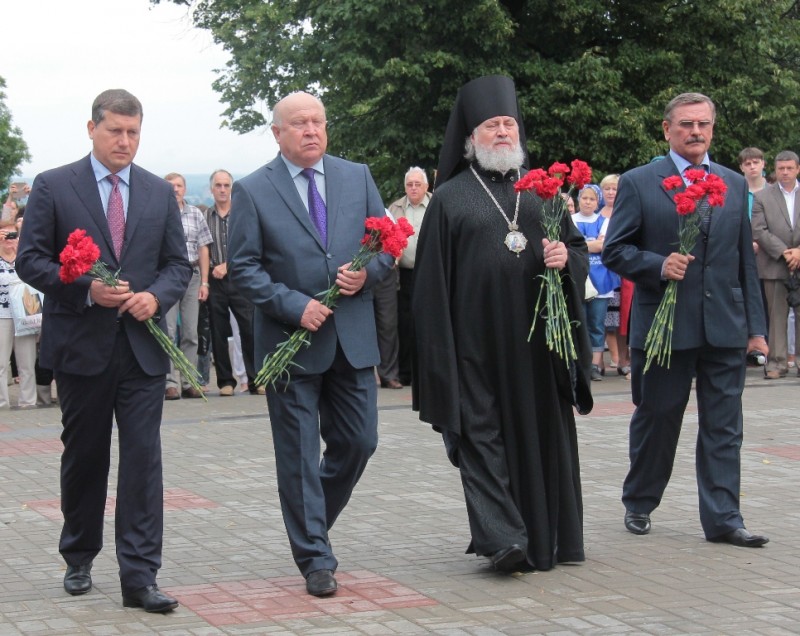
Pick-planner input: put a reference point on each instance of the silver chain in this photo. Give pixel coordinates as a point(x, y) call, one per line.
point(512, 225)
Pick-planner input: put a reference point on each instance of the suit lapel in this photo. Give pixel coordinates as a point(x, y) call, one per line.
point(85, 186)
point(333, 195)
point(278, 175)
point(666, 168)
point(780, 201)
point(138, 198)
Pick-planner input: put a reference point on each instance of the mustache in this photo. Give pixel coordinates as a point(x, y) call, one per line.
point(694, 139)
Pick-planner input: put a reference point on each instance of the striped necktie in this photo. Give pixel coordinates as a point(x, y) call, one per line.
point(116, 215)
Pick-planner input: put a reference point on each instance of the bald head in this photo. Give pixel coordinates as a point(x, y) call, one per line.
point(298, 123)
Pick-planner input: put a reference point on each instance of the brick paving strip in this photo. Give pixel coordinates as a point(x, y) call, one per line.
point(401, 540)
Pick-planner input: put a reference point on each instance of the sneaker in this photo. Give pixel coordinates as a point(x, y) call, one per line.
point(596, 374)
point(226, 391)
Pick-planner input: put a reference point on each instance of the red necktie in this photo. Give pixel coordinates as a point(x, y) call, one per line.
point(116, 215)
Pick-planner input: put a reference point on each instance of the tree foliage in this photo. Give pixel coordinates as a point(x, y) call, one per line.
point(593, 76)
point(13, 149)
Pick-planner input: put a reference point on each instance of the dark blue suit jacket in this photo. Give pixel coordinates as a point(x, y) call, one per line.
point(77, 338)
point(719, 300)
point(277, 260)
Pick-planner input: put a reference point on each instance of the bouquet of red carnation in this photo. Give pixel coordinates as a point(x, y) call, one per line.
point(82, 256)
point(547, 185)
point(382, 235)
point(658, 344)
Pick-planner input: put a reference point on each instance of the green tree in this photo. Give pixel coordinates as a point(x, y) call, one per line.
point(593, 76)
point(13, 149)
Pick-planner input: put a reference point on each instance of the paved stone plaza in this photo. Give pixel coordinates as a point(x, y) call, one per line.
point(401, 541)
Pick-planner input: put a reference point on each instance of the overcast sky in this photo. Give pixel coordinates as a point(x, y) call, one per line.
point(58, 55)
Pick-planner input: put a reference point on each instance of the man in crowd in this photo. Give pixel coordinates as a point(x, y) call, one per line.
point(776, 230)
point(224, 298)
point(719, 318)
point(385, 305)
point(295, 226)
point(412, 207)
point(751, 163)
point(106, 363)
point(503, 404)
point(198, 239)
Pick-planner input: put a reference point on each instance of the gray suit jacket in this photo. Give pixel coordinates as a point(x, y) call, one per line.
point(277, 261)
point(719, 300)
point(77, 338)
point(773, 231)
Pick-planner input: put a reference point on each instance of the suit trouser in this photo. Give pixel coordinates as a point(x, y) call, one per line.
point(223, 299)
point(89, 405)
point(385, 304)
point(660, 396)
point(341, 406)
point(405, 323)
point(189, 309)
point(778, 308)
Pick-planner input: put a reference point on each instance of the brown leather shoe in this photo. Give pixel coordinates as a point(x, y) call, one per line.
point(391, 384)
point(191, 392)
point(172, 394)
point(774, 375)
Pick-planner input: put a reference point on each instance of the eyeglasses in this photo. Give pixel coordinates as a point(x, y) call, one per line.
point(703, 124)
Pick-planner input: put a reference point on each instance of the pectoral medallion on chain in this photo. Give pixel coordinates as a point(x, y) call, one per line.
point(515, 240)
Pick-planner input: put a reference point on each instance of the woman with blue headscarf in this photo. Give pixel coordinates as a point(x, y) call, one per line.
point(593, 226)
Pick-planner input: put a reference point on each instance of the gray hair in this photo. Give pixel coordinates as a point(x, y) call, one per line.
point(787, 155)
point(414, 169)
point(686, 99)
point(118, 101)
point(216, 172)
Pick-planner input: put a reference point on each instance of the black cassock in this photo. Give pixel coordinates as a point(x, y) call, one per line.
point(503, 404)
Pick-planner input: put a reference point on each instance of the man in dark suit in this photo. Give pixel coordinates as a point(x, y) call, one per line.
point(107, 365)
point(776, 229)
point(281, 259)
point(719, 318)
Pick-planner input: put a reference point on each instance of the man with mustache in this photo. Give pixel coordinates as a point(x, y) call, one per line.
point(719, 318)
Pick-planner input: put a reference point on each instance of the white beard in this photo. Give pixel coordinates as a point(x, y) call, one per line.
point(499, 159)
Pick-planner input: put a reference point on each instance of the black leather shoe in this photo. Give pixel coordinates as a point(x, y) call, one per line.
point(741, 538)
point(637, 522)
point(78, 579)
point(151, 599)
point(391, 384)
point(509, 559)
point(321, 583)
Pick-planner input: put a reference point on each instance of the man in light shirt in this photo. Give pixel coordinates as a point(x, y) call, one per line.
point(777, 232)
point(412, 207)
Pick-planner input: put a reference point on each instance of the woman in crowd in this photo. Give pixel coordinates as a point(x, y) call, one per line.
point(619, 306)
point(24, 347)
point(593, 226)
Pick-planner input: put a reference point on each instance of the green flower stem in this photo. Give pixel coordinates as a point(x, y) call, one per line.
point(658, 344)
point(187, 370)
point(558, 327)
point(276, 365)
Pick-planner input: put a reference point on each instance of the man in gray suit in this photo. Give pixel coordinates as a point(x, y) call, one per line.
point(776, 229)
point(281, 258)
point(719, 318)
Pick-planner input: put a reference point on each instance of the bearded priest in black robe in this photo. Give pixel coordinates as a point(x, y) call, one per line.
point(503, 404)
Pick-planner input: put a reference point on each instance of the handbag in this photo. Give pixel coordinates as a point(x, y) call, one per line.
point(792, 290)
point(591, 290)
point(26, 308)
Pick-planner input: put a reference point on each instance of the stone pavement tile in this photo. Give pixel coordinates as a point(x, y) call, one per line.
point(407, 524)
